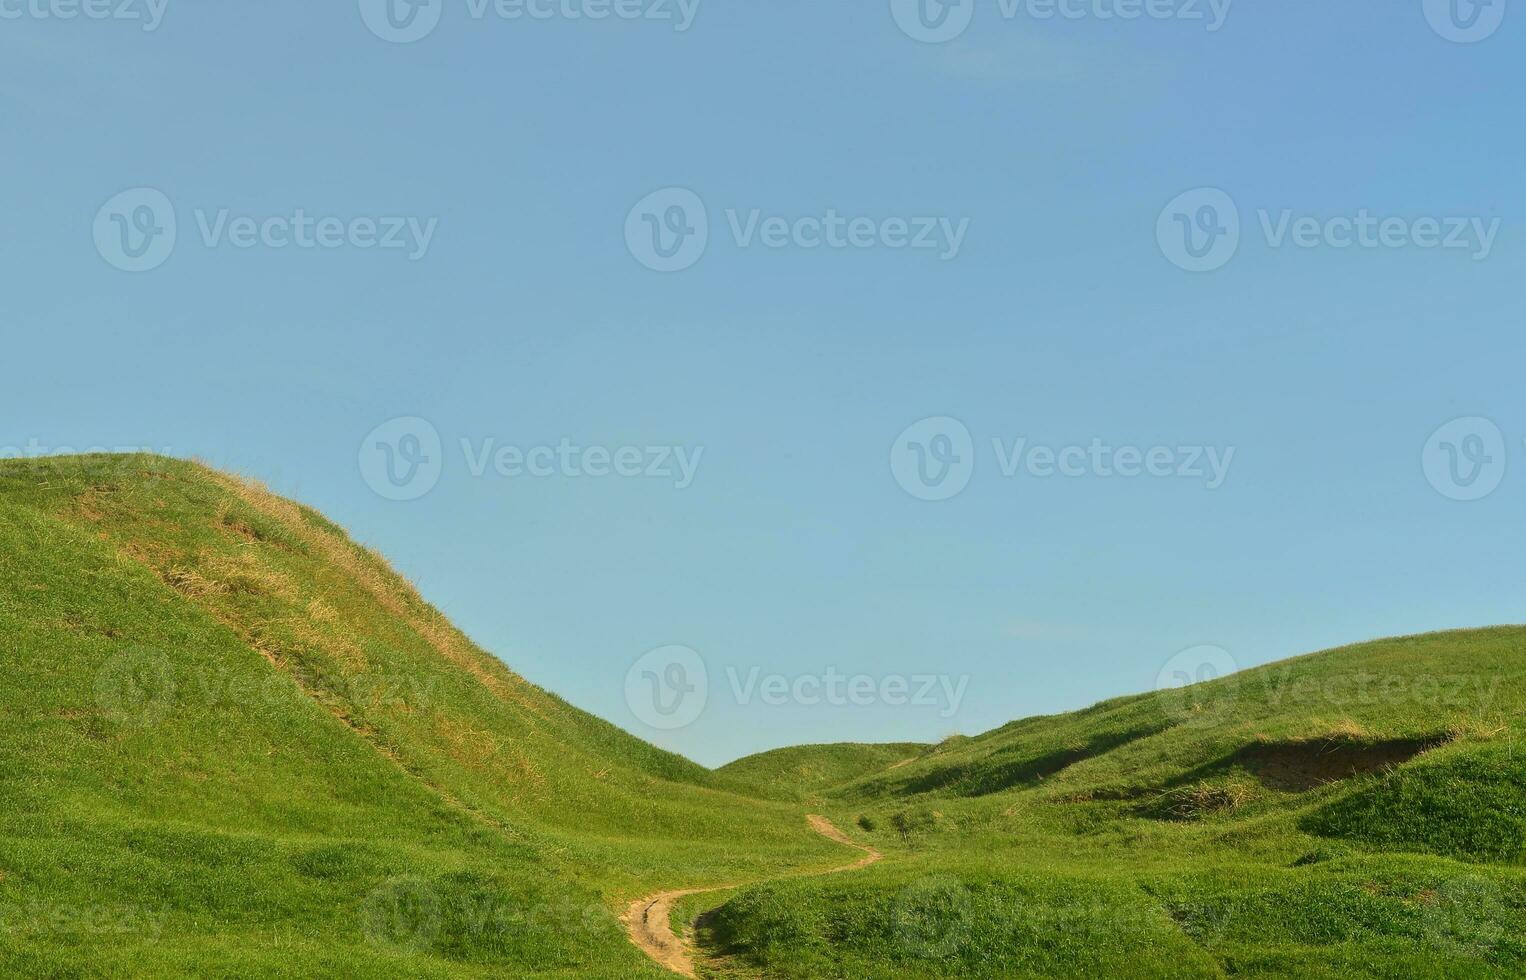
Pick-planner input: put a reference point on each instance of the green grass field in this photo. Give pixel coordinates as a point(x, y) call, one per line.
point(237, 744)
point(1355, 813)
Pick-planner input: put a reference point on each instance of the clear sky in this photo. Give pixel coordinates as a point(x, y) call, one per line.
point(539, 167)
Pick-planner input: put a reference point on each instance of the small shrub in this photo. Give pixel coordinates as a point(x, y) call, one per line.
point(908, 823)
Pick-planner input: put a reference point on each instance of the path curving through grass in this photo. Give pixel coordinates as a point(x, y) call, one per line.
point(648, 921)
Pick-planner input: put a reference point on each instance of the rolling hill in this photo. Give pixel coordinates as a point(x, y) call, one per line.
point(1357, 812)
point(237, 743)
point(799, 772)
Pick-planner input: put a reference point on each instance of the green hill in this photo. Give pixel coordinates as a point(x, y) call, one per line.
point(1358, 812)
point(802, 771)
point(237, 743)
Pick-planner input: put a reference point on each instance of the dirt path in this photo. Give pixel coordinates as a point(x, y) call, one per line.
point(649, 920)
point(825, 828)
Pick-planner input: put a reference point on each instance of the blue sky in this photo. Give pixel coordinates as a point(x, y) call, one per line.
point(529, 317)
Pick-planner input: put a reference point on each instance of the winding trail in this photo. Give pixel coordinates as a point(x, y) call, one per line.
point(649, 920)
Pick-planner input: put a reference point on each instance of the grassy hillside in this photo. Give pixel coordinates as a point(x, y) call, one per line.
point(1359, 812)
point(802, 771)
point(237, 743)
